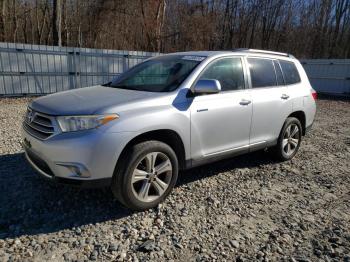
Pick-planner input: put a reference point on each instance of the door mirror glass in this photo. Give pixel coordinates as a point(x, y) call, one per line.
point(207, 86)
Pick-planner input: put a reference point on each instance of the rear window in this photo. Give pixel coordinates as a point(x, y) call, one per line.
point(290, 72)
point(262, 72)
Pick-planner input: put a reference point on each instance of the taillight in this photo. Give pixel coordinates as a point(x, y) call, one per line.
point(314, 94)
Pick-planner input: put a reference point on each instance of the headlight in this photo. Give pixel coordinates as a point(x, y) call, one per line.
point(76, 123)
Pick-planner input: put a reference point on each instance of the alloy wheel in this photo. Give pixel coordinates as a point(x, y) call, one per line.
point(291, 139)
point(151, 176)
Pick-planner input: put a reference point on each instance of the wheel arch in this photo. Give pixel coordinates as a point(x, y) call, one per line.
point(167, 136)
point(300, 115)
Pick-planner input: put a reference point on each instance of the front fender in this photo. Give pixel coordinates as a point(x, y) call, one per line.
point(138, 122)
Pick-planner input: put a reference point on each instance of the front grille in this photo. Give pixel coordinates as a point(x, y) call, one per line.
point(38, 125)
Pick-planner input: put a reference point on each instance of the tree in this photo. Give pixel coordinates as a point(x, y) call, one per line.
point(57, 22)
point(308, 29)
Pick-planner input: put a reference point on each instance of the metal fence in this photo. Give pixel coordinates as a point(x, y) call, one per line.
point(38, 69)
point(329, 76)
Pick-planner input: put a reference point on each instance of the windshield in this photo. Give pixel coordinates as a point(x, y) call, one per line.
point(161, 74)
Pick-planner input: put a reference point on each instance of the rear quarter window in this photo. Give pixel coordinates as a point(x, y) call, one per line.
point(290, 72)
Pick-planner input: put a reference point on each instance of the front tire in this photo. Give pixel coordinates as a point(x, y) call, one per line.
point(289, 140)
point(147, 174)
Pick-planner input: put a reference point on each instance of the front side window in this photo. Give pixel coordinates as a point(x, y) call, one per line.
point(228, 71)
point(290, 72)
point(161, 74)
point(262, 72)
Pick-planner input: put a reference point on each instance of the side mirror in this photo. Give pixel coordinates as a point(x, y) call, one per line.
point(207, 86)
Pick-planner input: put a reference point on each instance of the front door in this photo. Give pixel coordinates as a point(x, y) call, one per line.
point(221, 122)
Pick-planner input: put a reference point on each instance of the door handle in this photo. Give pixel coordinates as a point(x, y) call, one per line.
point(245, 102)
point(284, 96)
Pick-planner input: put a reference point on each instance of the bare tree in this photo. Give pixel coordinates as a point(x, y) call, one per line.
point(3, 20)
point(341, 6)
point(313, 28)
point(57, 22)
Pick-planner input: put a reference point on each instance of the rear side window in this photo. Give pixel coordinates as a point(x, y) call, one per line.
point(290, 72)
point(279, 74)
point(262, 72)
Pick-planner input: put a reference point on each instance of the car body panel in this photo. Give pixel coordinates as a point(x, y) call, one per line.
point(219, 123)
point(89, 100)
point(301, 96)
point(96, 150)
point(269, 113)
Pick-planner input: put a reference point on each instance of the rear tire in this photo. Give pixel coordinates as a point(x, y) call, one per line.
point(289, 140)
point(147, 174)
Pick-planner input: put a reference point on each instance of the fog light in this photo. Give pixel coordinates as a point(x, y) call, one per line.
point(78, 170)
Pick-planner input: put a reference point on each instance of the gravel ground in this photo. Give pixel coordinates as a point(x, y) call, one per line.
point(246, 208)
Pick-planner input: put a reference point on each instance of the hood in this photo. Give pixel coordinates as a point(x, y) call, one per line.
point(88, 100)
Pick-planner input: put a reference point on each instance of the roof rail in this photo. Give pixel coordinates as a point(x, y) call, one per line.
point(258, 51)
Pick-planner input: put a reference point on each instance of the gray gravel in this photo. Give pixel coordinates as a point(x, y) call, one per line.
point(247, 208)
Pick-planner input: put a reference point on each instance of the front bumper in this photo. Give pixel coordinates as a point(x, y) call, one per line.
point(43, 169)
point(86, 158)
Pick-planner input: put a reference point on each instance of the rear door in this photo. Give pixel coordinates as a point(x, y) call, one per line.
point(271, 104)
point(221, 122)
point(295, 90)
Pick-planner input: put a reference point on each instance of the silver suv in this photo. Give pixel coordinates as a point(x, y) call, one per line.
point(169, 113)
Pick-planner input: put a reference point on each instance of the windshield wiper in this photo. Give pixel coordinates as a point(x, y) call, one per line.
point(109, 84)
point(123, 87)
